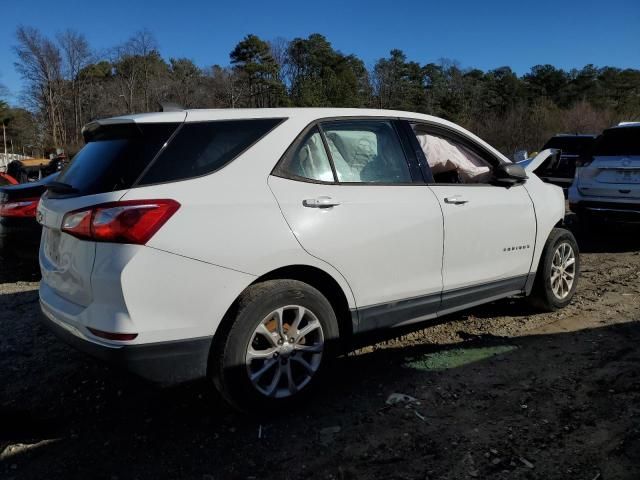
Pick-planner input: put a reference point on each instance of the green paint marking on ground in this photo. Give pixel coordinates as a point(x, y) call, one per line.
point(456, 357)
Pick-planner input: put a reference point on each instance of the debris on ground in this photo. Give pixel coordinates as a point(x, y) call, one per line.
point(576, 370)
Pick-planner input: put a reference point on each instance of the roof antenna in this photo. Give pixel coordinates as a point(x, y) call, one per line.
point(170, 107)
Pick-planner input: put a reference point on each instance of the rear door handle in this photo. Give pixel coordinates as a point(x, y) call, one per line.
point(456, 200)
point(320, 202)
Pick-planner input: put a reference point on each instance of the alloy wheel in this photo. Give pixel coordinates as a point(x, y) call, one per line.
point(285, 351)
point(563, 270)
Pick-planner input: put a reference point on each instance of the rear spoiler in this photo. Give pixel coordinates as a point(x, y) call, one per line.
point(122, 127)
point(93, 130)
point(540, 158)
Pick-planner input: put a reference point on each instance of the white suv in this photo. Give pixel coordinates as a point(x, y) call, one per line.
point(608, 186)
point(250, 246)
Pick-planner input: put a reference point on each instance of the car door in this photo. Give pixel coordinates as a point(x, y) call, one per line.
point(489, 230)
point(352, 198)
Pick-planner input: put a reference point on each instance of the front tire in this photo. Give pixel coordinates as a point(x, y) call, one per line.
point(558, 272)
point(274, 345)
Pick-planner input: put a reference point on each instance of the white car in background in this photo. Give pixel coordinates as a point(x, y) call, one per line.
point(250, 246)
point(608, 187)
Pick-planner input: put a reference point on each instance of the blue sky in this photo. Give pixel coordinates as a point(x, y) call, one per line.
point(478, 33)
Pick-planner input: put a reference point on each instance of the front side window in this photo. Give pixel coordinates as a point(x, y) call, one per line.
point(451, 161)
point(365, 151)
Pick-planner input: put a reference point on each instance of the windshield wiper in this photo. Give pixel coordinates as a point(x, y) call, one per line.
point(61, 187)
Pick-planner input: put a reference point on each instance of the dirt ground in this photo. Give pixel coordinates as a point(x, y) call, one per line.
point(499, 391)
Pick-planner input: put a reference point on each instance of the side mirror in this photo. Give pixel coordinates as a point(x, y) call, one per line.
point(510, 174)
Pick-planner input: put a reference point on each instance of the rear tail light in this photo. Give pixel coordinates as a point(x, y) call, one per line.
point(24, 208)
point(132, 221)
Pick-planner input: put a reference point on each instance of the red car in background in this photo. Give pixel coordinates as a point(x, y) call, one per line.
point(19, 230)
point(6, 179)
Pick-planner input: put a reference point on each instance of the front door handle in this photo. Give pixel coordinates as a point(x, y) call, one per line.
point(456, 200)
point(320, 202)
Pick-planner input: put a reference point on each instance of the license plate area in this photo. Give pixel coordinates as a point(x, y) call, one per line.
point(52, 246)
point(628, 176)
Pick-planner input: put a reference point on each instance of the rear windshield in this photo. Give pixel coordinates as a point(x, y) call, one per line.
point(118, 157)
point(115, 156)
point(623, 141)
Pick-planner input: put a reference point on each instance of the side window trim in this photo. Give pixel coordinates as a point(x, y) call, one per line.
point(325, 143)
point(418, 161)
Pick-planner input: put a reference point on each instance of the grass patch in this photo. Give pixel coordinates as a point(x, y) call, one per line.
point(456, 357)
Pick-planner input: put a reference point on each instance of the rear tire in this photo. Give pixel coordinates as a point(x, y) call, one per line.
point(274, 345)
point(558, 272)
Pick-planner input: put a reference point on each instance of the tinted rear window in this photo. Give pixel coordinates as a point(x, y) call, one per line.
point(115, 156)
point(623, 141)
point(200, 148)
point(123, 156)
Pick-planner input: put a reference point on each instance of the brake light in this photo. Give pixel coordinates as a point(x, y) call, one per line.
point(132, 221)
point(25, 208)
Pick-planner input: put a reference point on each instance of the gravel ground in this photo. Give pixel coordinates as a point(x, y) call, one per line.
point(499, 391)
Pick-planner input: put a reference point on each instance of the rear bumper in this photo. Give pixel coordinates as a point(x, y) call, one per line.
point(608, 211)
point(165, 363)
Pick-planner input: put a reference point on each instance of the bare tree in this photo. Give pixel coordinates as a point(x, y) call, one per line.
point(40, 65)
point(77, 56)
point(126, 74)
point(143, 44)
point(279, 48)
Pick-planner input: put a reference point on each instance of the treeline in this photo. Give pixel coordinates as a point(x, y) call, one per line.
point(67, 84)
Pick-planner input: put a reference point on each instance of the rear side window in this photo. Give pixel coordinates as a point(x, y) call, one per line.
point(366, 151)
point(115, 156)
point(204, 147)
point(623, 141)
point(310, 159)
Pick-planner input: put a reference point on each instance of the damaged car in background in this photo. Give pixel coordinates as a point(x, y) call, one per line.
point(19, 231)
point(251, 246)
point(607, 186)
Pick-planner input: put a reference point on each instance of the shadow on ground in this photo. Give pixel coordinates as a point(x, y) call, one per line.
point(542, 406)
point(601, 237)
point(18, 270)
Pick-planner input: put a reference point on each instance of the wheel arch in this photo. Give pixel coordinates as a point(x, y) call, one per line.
point(326, 284)
point(319, 279)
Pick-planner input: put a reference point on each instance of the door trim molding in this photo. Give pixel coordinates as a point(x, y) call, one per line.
point(426, 307)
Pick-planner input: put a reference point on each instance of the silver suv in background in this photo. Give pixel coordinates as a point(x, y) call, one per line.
point(608, 187)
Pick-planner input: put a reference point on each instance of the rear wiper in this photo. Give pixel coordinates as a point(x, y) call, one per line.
point(61, 187)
